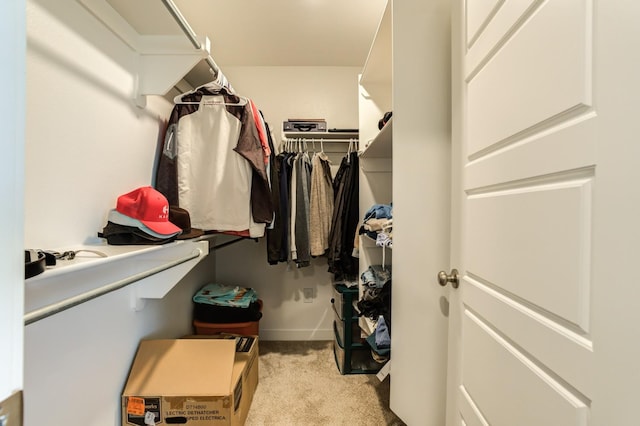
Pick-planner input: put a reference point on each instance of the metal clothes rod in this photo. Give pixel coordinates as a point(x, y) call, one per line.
point(63, 305)
point(186, 28)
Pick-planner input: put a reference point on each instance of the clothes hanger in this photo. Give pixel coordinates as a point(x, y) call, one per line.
point(241, 101)
point(349, 151)
point(384, 268)
point(220, 84)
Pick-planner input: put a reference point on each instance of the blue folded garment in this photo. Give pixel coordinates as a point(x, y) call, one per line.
point(371, 339)
point(224, 295)
point(378, 211)
point(376, 276)
point(383, 339)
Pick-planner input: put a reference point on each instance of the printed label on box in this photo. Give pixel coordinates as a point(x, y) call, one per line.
point(139, 411)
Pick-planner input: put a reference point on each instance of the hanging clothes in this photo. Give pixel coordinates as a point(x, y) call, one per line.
point(321, 204)
point(282, 247)
point(300, 252)
point(214, 163)
point(344, 223)
point(279, 224)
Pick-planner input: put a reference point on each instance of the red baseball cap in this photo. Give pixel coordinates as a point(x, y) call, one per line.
point(148, 206)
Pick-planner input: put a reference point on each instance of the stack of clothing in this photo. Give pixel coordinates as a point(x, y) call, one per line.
point(375, 304)
point(376, 292)
point(380, 341)
point(224, 304)
point(378, 224)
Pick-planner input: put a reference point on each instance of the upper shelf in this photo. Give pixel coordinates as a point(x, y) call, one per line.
point(322, 135)
point(164, 59)
point(380, 146)
point(377, 68)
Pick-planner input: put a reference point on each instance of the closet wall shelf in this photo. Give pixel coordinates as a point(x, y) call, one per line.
point(325, 136)
point(376, 155)
point(163, 59)
point(88, 273)
point(370, 243)
point(377, 68)
point(380, 146)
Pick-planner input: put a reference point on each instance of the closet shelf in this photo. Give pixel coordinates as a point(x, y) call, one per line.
point(380, 146)
point(152, 271)
point(163, 59)
point(326, 136)
point(377, 68)
point(368, 242)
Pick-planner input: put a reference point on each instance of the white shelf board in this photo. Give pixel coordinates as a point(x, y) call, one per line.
point(322, 135)
point(381, 145)
point(377, 68)
point(370, 243)
point(88, 272)
point(163, 59)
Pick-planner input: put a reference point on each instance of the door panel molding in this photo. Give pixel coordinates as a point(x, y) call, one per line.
point(549, 339)
point(553, 43)
point(471, 415)
point(496, 372)
point(552, 270)
point(479, 15)
point(503, 24)
point(573, 143)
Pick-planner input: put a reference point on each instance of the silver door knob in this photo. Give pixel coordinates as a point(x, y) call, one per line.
point(444, 278)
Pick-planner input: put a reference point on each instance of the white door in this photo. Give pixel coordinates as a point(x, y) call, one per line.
point(544, 327)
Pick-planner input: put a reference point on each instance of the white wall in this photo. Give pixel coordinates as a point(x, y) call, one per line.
point(300, 92)
point(282, 93)
point(77, 361)
point(12, 30)
point(86, 143)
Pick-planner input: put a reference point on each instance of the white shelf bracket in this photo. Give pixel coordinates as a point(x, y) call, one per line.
point(161, 68)
point(157, 286)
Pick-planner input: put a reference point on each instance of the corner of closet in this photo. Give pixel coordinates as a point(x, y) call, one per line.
point(376, 140)
point(163, 60)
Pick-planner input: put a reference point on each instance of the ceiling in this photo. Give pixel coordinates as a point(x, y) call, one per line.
point(267, 32)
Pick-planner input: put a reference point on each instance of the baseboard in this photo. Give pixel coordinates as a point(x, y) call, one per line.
point(296, 335)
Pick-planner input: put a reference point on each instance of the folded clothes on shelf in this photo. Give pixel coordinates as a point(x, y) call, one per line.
point(376, 276)
point(224, 304)
point(225, 295)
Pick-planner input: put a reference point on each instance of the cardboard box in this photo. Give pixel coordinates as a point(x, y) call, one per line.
point(245, 367)
point(195, 382)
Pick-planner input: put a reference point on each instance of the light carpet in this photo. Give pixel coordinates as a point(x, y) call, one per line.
point(299, 385)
